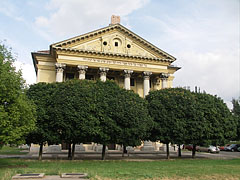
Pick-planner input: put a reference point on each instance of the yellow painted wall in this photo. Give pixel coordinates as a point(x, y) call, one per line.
point(46, 76)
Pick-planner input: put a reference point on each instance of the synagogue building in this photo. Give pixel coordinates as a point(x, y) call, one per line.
point(113, 52)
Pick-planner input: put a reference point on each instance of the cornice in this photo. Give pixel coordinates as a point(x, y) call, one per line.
point(60, 49)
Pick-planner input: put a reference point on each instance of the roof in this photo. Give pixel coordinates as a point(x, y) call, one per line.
point(61, 44)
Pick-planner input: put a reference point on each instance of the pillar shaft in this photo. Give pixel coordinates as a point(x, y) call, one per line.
point(164, 77)
point(59, 68)
point(127, 76)
point(146, 83)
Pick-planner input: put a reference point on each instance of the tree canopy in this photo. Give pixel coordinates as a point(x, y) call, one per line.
point(73, 111)
point(213, 119)
point(17, 113)
point(182, 116)
point(41, 94)
point(171, 109)
point(123, 115)
point(236, 113)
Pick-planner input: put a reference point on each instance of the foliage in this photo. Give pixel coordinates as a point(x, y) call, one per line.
point(193, 118)
point(236, 113)
point(41, 94)
point(73, 110)
point(171, 109)
point(123, 115)
point(17, 113)
point(214, 121)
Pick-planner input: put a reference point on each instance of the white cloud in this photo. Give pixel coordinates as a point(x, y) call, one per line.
point(74, 17)
point(28, 72)
point(206, 44)
point(215, 72)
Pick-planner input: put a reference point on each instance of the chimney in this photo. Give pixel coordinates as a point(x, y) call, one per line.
point(115, 19)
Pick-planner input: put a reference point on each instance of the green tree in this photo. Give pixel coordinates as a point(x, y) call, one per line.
point(42, 96)
point(17, 113)
point(170, 109)
point(212, 123)
point(73, 110)
point(236, 113)
point(123, 116)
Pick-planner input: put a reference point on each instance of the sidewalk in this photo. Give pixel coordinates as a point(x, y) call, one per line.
point(132, 156)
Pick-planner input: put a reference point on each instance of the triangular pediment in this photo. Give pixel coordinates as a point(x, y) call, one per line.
point(114, 39)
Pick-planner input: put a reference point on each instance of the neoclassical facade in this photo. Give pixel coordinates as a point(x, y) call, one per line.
point(113, 52)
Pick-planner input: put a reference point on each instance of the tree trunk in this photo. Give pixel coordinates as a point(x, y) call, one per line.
point(69, 151)
point(103, 151)
point(168, 156)
point(40, 152)
point(73, 151)
point(123, 150)
point(194, 151)
point(179, 150)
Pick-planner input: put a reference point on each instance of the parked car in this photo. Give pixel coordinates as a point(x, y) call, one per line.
point(210, 149)
point(233, 147)
point(223, 148)
point(188, 147)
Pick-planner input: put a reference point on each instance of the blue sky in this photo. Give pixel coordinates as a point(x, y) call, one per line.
point(202, 34)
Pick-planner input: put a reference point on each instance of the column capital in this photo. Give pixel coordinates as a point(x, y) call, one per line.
point(146, 75)
point(127, 72)
point(164, 75)
point(103, 69)
point(82, 67)
point(103, 73)
point(82, 71)
point(60, 67)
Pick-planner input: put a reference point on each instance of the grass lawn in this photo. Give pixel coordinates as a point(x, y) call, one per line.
point(162, 169)
point(7, 150)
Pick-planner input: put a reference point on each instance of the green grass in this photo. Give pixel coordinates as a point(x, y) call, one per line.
point(162, 169)
point(7, 150)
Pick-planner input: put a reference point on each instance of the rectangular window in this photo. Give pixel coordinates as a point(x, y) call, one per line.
point(132, 82)
point(69, 76)
point(110, 78)
point(89, 77)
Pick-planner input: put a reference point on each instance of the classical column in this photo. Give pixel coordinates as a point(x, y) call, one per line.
point(59, 68)
point(164, 77)
point(103, 73)
point(146, 83)
point(82, 71)
point(127, 75)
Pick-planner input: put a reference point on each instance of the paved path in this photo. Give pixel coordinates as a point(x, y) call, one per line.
point(132, 156)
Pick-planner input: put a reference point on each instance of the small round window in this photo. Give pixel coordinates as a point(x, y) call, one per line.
point(128, 46)
point(104, 43)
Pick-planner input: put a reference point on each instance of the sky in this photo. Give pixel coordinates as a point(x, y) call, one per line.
point(202, 34)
